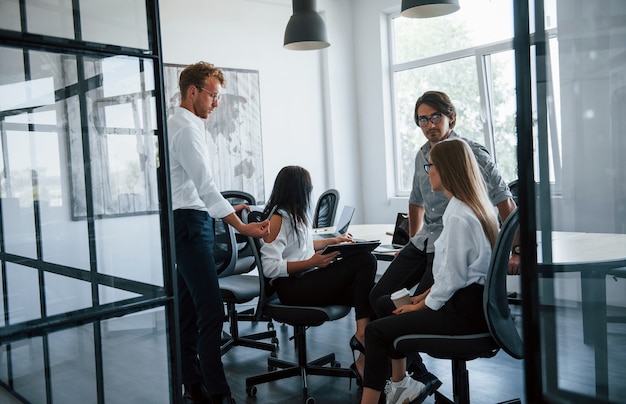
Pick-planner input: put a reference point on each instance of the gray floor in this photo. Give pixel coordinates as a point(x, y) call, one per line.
point(491, 380)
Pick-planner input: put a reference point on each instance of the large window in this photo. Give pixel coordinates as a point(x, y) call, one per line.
point(473, 63)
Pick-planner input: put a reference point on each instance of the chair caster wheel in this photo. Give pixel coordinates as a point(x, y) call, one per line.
point(335, 364)
point(309, 400)
point(251, 391)
point(275, 341)
point(270, 326)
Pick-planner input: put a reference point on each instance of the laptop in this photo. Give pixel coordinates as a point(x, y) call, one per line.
point(400, 234)
point(342, 224)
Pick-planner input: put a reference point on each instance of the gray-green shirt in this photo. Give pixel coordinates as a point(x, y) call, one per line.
point(435, 203)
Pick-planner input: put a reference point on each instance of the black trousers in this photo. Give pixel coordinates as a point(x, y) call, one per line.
point(410, 267)
point(199, 302)
point(347, 281)
point(462, 314)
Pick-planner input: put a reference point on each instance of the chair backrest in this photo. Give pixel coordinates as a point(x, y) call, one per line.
point(225, 248)
point(326, 209)
point(495, 303)
point(237, 197)
point(245, 262)
point(266, 292)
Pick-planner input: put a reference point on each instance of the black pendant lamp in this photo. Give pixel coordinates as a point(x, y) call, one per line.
point(428, 8)
point(306, 29)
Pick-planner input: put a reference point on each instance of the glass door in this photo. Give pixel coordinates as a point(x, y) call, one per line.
point(571, 98)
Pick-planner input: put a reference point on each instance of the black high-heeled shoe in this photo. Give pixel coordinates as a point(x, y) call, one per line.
point(355, 345)
point(356, 375)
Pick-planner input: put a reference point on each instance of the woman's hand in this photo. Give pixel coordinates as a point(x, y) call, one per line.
point(344, 238)
point(417, 303)
point(323, 260)
point(406, 308)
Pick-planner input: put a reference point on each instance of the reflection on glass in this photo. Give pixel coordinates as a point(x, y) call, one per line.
point(581, 210)
point(115, 22)
point(10, 15)
point(50, 17)
point(29, 377)
point(23, 299)
point(501, 84)
point(122, 140)
point(73, 363)
point(137, 344)
point(27, 94)
point(65, 294)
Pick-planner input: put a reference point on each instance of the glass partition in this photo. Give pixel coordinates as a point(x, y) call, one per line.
point(86, 294)
point(573, 221)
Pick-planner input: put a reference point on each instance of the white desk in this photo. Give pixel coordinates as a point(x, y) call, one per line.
point(591, 255)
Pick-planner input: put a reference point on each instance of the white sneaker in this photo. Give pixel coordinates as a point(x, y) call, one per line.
point(406, 391)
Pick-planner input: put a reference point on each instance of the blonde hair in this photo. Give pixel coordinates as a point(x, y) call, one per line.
point(460, 175)
point(196, 74)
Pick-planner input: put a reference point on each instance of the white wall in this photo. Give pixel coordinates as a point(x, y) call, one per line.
point(313, 114)
point(308, 108)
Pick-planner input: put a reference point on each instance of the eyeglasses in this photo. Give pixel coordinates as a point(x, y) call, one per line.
point(215, 96)
point(427, 167)
point(434, 118)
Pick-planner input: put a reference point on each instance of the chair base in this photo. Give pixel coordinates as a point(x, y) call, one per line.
point(460, 387)
point(233, 339)
point(281, 369)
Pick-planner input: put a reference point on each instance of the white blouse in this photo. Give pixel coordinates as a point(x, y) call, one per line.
point(462, 254)
point(286, 247)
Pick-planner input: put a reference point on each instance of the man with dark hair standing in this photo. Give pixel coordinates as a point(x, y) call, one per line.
point(435, 115)
point(196, 201)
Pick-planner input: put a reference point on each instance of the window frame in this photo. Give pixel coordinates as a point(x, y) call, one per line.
point(481, 54)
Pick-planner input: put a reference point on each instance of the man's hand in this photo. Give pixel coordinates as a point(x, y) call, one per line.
point(240, 207)
point(514, 267)
point(256, 229)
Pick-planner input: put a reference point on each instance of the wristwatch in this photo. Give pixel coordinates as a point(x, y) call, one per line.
point(517, 250)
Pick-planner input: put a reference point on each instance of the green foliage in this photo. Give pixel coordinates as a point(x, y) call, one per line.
point(458, 77)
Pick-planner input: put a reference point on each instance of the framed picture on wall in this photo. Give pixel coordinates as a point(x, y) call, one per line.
point(233, 130)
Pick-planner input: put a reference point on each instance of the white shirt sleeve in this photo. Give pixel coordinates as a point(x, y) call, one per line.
point(194, 157)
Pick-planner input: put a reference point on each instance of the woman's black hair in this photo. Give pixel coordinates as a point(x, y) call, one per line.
point(291, 193)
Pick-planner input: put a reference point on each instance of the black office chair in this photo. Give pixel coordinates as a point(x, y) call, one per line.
point(301, 318)
point(514, 297)
point(502, 332)
point(245, 260)
point(326, 209)
point(238, 289)
point(616, 273)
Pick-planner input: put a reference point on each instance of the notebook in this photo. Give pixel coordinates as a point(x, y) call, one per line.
point(347, 249)
point(342, 224)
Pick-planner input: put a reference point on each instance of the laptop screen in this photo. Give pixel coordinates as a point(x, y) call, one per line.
point(344, 219)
